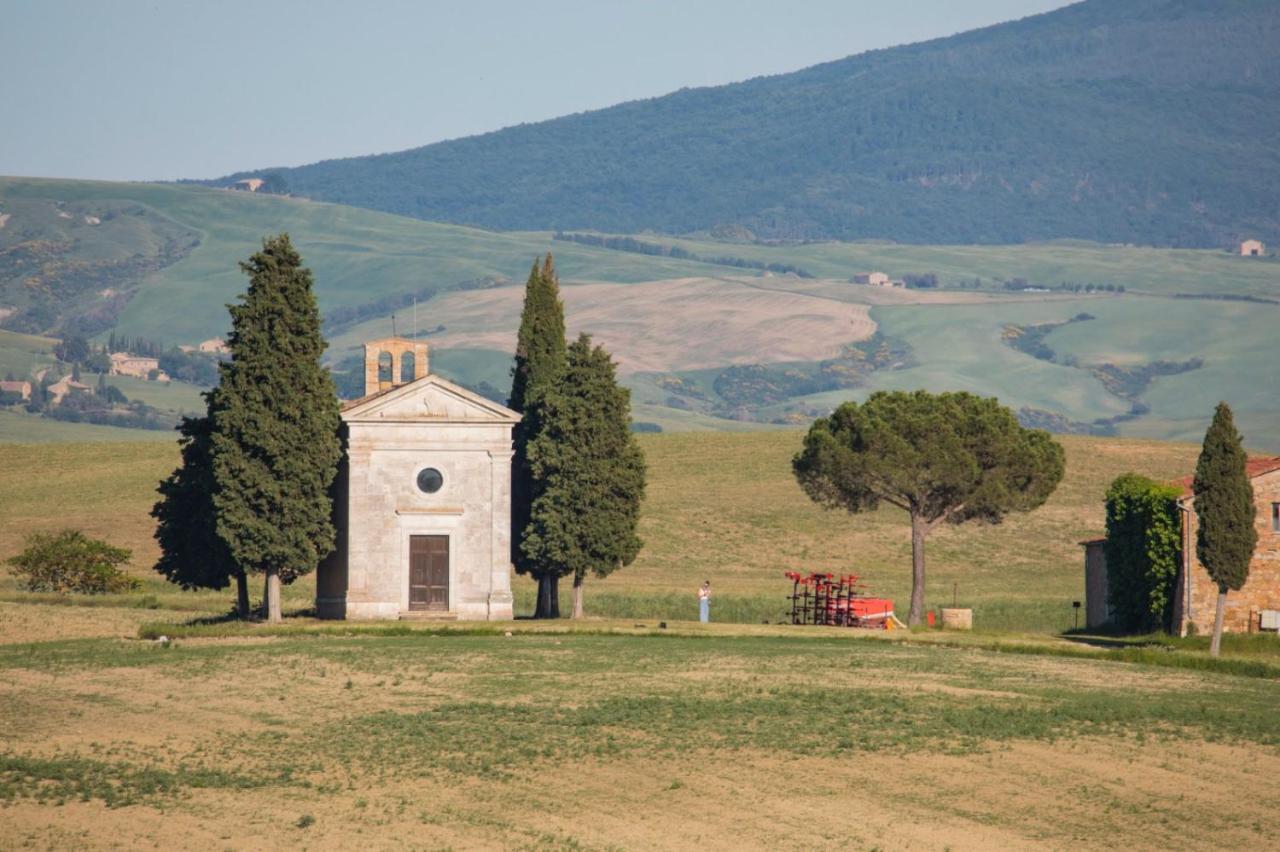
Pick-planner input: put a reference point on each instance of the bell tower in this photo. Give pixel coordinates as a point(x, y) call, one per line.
point(393, 361)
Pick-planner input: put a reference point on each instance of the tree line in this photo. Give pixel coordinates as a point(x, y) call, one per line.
point(631, 244)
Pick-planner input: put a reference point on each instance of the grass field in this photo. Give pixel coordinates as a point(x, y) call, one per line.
point(719, 506)
point(580, 741)
point(612, 733)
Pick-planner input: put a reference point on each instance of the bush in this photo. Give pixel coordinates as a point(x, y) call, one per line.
point(70, 561)
point(1143, 549)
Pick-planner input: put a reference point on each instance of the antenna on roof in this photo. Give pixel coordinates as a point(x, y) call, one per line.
point(393, 325)
point(415, 316)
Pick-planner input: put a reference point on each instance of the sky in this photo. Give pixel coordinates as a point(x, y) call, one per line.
point(126, 90)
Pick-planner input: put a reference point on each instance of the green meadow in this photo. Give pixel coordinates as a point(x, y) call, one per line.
point(954, 336)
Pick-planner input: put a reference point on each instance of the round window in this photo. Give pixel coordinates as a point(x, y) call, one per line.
point(430, 480)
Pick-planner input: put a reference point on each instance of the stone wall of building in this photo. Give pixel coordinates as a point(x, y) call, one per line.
point(1262, 591)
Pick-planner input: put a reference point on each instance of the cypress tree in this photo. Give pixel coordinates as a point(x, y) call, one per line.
point(274, 437)
point(191, 553)
point(585, 517)
point(539, 363)
point(1225, 536)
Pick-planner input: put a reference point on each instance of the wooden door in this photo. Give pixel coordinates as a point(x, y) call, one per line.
point(429, 572)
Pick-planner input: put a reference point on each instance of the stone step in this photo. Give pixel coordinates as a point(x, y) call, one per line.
point(427, 615)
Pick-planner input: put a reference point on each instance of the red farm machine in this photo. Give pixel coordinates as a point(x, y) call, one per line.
point(837, 600)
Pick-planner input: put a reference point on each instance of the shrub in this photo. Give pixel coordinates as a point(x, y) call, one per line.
point(70, 561)
point(1144, 548)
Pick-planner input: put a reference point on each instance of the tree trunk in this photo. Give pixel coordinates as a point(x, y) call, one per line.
point(1215, 644)
point(242, 596)
point(577, 595)
point(919, 528)
point(273, 597)
point(548, 597)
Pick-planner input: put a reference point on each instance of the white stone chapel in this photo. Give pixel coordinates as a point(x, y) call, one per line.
point(423, 497)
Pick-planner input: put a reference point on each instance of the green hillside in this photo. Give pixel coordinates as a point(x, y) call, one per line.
point(358, 256)
point(1145, 121)
point(703, 345)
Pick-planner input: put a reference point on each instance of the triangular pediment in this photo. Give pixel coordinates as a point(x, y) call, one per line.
point(430, 399)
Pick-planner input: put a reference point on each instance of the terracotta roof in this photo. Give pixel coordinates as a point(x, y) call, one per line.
point(1253, 468)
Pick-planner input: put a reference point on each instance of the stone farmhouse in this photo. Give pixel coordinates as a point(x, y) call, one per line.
point(23, 389)
point(138, 366)
point(1256, 606)
point(1252, 248)
point(64, 386)
point(212, 346)
point(423, 498)
point(875, 279)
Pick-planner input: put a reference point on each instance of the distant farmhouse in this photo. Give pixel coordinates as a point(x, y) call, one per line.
point(875, 279)
point(64, 386)
point(212, 346)
point(1252, 248)
point(138, 366)
point(247, 185)
point(423, 498)
point(1256, 606)
point(22, 389)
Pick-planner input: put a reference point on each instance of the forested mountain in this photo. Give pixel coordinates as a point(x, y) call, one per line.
point(1147, 121)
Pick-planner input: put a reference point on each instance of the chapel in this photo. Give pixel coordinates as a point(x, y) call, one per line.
point(422, 500)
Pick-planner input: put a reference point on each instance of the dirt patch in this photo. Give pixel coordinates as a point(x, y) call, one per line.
point(663, 326)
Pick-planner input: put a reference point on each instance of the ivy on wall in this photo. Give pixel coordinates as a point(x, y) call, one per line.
point(1143, 549)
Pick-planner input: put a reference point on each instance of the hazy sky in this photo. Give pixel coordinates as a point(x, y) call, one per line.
point(160, 90)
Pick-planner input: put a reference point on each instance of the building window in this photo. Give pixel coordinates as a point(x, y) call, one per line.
point(1275, 517)
point(430, 480)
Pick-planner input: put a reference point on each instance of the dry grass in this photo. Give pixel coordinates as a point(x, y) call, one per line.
point(600, 742)
point(728, 509)
point(665, 326)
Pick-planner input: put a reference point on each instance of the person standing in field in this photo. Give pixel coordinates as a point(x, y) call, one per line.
point(704, 602)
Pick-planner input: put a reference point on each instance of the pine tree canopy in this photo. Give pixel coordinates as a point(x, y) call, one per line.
point(275, 422)
point(593, 472)
point(539, 363)
point(950, 456)
point(1225, 512)
point(191, 553)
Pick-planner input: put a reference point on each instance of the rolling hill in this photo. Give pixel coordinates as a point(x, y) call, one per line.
point(716, 343)
point(1142, 121)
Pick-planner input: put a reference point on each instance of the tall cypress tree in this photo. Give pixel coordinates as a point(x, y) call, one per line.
point(1225, 512)
point(192, 554)
point(592, 470)
point(539, 364)
point(275, 417)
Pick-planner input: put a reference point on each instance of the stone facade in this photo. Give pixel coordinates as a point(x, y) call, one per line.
point(1252, 248)
point(1197, 598)
point(138, 366)
point(392, 435)
point(874, 279)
